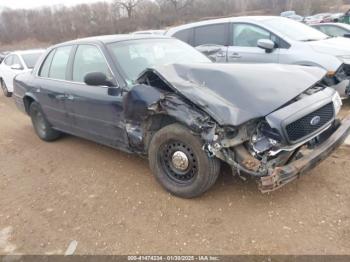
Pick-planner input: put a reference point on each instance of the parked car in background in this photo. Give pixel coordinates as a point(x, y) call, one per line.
point(149, 32)
point(334, 29)
point(337, 16)
point(345, 18)
point(310, 20)
point(288, 13)
point(297, 18)
point(320, 18)
point(292, 15)
point(3, 55)
point(324, 17)
point(159, 97)
point(270, 39)
point(14, 64)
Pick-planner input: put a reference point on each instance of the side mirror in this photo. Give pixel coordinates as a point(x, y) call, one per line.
point(266, 44)
point(17, 67)
point(97, 79)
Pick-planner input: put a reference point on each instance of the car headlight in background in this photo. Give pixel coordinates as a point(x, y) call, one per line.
point(337, 103)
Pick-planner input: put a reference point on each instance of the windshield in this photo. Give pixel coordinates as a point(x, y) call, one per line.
point(30, 59)
point(135, 56)
point(295, 30)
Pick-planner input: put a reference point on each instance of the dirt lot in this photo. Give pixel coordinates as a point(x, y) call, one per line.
point(107, 201)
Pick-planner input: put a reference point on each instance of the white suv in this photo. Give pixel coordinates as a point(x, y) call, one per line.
point(14, 64)
point(270, 39)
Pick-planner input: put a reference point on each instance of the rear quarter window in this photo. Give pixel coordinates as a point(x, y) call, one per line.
point(185, 36)
point(45, 67)
point(59, 63)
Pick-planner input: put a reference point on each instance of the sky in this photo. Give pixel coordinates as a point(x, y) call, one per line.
point(39, 3)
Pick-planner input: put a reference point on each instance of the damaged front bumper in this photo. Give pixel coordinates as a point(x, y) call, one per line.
point(280, 176)
point(341, 81)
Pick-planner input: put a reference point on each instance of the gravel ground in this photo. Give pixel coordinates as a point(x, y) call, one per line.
point(79, 197)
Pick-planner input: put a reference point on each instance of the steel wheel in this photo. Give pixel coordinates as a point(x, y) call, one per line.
point(178, 161)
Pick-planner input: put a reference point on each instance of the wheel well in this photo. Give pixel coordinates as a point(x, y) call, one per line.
point(156, 123)
point(27, 100)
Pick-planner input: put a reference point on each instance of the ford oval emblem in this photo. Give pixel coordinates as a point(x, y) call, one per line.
point(315, 120)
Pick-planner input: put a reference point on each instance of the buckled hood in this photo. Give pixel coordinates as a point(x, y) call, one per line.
point(236, 93)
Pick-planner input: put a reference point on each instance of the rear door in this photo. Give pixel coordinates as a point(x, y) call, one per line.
point(52, 87)
point(244, 45)
point(212, 40)
point(95, 114)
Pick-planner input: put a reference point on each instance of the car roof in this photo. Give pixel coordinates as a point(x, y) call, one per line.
point(105, 39)
point(23, 52)
point(242, 19)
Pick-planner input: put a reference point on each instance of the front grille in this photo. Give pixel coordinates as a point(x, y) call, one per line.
point(346, 69)
point(304, 127)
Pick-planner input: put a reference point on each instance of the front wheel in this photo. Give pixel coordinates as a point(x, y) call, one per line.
point(41, 126)
point(179, 162)
point(5, 89)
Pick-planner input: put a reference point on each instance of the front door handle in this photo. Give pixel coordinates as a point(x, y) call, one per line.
point(235, 55)
point(70, 97)
point(220, 54)
point(61, 97)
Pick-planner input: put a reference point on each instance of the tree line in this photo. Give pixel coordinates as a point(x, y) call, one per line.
point(60, 23)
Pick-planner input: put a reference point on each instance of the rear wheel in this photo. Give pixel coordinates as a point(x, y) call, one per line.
point(41, 126)
point(180, 164)
point(4, 88)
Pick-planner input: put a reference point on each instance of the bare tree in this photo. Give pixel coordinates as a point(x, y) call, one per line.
point(128, 5)
point(180, 4)
point(60, 23)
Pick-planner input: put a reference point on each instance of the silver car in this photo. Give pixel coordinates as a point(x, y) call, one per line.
point(334, 29)
point(270, 39)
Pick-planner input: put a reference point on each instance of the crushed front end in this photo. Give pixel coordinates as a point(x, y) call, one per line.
point(339, 80)
point(285, 144)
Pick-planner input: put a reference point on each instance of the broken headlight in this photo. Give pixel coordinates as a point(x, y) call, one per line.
point(264, 139)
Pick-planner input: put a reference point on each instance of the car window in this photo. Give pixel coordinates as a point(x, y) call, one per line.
point(333, 30)
point(16, 60)
point(31, 59)
point(248, 35)
point(89, 59)
point(185, 35)
point(8, 60)
point(59, 63)
point(211, 34)
point(135, 56)
point(45, 68)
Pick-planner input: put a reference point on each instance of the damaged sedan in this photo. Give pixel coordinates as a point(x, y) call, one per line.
point(160, 98)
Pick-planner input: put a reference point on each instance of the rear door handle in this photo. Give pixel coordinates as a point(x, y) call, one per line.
point(70, 97)
point(235, 55)
point(221, 54)
point(61, 97)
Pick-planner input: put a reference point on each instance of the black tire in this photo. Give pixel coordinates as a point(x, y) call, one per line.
point(4, 89)
point(201, 170)
point(41, 126)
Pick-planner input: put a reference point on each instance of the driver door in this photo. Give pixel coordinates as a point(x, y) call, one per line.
point(95, 114)
point(244, 48)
